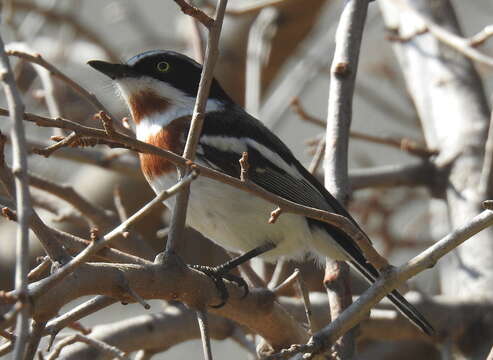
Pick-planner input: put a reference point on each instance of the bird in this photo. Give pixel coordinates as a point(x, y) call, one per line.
point(160, 89)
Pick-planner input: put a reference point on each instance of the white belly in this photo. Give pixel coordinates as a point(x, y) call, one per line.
point(238, 221)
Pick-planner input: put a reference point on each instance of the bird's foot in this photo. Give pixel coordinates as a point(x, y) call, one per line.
point(218, 274)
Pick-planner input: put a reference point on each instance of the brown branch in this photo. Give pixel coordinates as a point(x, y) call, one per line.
point(95, 246)
point(405, 144)
point(62, 142)
point(287, 206)
point(211, 54)
point(159, 332)
point(196, 13)
point(39, 60)
point(105, 348)
point(388, 281)
point(173, 281)
point(89, 307)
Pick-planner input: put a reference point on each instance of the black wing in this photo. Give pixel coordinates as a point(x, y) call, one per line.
point(274, 168)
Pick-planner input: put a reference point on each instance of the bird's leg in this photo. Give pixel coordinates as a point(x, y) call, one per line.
point(219, 273)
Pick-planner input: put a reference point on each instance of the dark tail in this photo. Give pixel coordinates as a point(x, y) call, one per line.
point(398, 300)
point(356, 257)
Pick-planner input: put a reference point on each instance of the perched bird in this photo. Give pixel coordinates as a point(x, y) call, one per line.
point(160, 88)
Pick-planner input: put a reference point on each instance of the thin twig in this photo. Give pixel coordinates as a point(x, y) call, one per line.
point(204, 334)
point(486, 179)
point(196, 13)
point(34, 339)
point(260, 37)
point(197, 40)
point(35, 273)
point(305, 296)
point(244, 167)
point(388, 281)
point(289, 281)
point(119, 206)
point(460, 44)
point(339, 115)
point(80, 311)
point(95, 246)
point(62, 142)
point(23, 203)
point(481, 37)
point(180, 209)
point(410, 146)
point(105, 348)
point(317, 157)
point(288, 206)
point(39, 60)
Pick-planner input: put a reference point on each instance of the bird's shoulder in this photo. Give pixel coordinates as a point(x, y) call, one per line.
point(226, 135)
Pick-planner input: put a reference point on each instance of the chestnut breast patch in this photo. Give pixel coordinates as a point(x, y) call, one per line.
point(171, 138)
point(146, 103)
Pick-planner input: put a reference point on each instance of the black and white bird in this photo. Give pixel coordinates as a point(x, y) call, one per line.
point(160, 88)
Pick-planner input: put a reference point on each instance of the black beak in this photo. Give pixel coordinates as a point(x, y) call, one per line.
point(113, 71)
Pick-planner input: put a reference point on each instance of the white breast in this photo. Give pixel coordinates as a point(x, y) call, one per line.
point(238, 221)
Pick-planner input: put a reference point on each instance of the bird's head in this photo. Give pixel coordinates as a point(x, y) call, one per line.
point(154, 80)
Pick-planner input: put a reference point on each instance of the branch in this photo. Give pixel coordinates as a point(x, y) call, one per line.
point(211, 53)
point(388, 281)
point(410, 146)
point(39, 60)
point(289, 206)
point(103, 347)
point(172, 281)
point(339, 115)
point(196, 13)
point(414, 174)
point(154, 333)
point(464, 46)
point(120, 230)
point(24, 210)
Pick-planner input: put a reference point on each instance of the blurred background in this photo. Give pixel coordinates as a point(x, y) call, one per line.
point(292, 44)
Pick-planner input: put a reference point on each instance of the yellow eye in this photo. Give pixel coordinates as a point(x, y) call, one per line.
point(162, 66)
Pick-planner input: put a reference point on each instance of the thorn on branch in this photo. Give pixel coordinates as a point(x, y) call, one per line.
point(245, 166)
point(395, 37)
point(196, 13)
point(342, 69)
point(275, 215)
point(107, 123)
point(62, 142)
point(488, 204)
point(95, 236)
point(9, 214)
point(128, 290)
